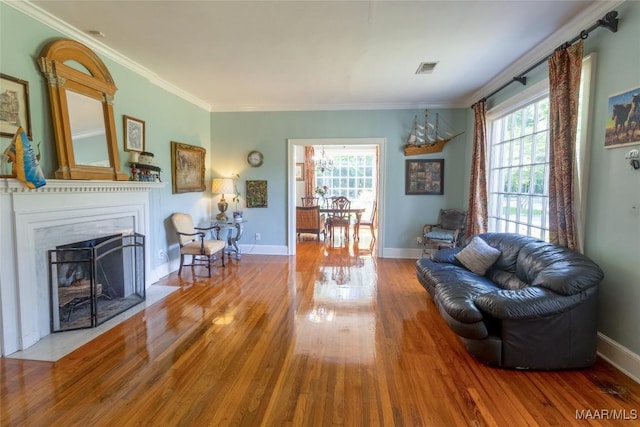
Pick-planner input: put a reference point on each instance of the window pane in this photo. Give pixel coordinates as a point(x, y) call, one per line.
point(518, 183)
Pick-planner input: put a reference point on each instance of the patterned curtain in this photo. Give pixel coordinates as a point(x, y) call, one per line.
point(477, 216)
point(564, 87)
point(309, 171)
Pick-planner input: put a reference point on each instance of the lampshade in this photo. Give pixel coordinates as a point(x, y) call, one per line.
point(222, 186)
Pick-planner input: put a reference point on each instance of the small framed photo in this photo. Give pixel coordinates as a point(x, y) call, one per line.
point(14, 106)
point(187, 168)
point(133, 134)
point(299, 171)
point(256, 194)
point(424, 177)
point(623, 119)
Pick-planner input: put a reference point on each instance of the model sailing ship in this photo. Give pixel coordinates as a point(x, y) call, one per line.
point(428, 138)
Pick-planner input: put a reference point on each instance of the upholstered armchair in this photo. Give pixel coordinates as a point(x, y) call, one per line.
point(447, 232)
point(193, 242)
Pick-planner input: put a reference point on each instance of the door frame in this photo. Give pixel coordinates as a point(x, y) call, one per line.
point(291, 182)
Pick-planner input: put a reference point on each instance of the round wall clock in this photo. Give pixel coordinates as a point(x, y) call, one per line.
point(255, 158)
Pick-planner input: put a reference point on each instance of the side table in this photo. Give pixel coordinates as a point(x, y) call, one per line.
point(233, 230)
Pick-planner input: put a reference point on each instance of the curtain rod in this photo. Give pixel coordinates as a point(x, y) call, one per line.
point(609, 21)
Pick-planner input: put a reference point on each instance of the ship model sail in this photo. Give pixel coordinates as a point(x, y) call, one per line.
point(428, 138)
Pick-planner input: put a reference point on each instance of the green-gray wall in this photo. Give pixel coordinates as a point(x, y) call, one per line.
point(167, 118)
point(235, 134)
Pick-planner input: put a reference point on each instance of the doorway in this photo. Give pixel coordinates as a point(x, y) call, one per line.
point(332, 145)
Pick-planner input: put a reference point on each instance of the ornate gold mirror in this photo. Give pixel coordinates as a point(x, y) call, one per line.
point(81, 93)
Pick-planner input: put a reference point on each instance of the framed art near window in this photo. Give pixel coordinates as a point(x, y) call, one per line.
point(623, 119)
point(14, 106)
point(299, 171)
point(424, 177)
point(256, 194)
point(187, 168)
point(134, 134)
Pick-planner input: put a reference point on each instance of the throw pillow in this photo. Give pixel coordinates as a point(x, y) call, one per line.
point(478, 256)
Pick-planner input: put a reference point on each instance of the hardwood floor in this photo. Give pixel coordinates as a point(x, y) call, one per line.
point(277, 341)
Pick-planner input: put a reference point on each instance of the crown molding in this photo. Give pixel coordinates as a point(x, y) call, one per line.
point(31, 10)
point(583, 20)
point(331, 107)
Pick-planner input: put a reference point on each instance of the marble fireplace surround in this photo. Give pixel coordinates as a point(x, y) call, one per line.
point(62, 212)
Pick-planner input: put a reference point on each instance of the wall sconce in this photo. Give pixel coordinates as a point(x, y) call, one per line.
point(634, 158)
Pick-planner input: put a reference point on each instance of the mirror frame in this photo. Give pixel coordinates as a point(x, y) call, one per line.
point(98, 85)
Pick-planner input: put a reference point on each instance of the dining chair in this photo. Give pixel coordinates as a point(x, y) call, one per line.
point(339, 216)
point(371, 221)
point(192, 242)
point(309, 201)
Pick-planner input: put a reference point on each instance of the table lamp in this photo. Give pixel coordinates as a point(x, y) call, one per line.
point(222, 186)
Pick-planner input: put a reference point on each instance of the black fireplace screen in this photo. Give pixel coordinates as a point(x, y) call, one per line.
point(94, 280)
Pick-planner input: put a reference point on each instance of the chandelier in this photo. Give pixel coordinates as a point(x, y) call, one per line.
point(323, 164)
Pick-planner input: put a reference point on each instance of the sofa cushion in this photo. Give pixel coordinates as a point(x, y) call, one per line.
point(478, 256)
point(446, 255)
point(456, 293)
point(440, 234)
point(504, 279)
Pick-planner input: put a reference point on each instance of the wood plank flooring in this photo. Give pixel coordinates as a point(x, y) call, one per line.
point(331, 337)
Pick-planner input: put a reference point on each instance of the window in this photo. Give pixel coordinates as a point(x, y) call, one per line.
point(519, 160)
point(353, 174)
point(519, 170)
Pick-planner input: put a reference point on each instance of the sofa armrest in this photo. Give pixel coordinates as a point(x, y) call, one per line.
point(528, 303)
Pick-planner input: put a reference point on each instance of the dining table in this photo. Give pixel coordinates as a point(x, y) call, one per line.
point(356, 211)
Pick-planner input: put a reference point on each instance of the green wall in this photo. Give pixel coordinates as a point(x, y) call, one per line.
point(235, 134)
point(167, 118)
point(613, 216)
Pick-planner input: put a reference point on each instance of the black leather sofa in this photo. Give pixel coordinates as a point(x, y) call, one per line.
point(534, 308)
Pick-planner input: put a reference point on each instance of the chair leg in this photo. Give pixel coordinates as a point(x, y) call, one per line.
point(181, 263)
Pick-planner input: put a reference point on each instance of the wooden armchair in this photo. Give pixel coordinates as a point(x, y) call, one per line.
point(308, 220)
point(447, 232)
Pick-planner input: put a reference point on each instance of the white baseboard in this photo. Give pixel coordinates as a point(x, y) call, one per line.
point(619, 356)
point(263, 250)
point(410, 253)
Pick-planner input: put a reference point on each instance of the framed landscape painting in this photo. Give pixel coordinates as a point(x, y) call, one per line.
point(187, 168)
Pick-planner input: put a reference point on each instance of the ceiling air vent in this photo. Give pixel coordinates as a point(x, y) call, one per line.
point(426, 67)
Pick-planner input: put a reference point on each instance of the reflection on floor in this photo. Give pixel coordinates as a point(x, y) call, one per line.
point(339, 316)
point(55, 346)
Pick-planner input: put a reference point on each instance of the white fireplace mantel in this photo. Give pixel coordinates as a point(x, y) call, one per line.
point(35, 221)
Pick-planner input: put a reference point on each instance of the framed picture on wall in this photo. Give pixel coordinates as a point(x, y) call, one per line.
point(133, 134)
point(256, 194)
point(187, 168)
point(623, 119)
point(424, 177)
point(14, 106)
point(299, 171)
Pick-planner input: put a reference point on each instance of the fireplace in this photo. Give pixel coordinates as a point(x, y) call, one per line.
point(33, 222)
point(94, 280)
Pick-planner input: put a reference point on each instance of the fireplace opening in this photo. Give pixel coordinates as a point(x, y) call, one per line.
point(94, 280)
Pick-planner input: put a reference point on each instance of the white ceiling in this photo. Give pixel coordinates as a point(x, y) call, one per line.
point(315, 55)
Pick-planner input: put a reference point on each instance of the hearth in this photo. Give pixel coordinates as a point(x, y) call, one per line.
point(94, 280)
